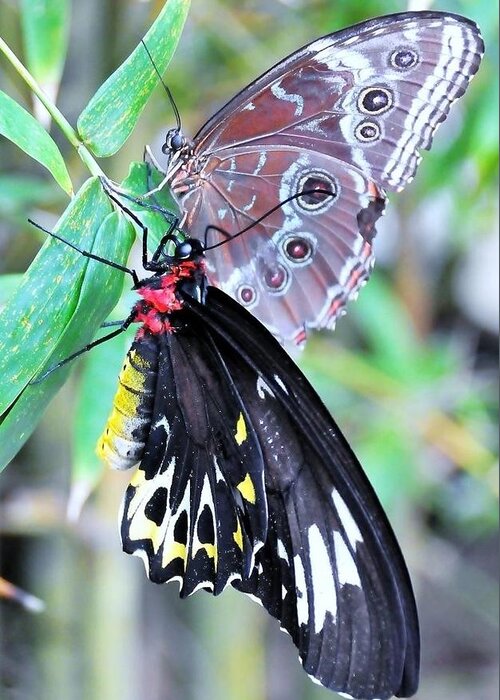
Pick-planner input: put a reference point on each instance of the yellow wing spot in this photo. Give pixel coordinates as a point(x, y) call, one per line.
point(247, 489)
point(147, 530)
point(210, 549)
point(241, 430)
point(238, 536)
point(142, 528)
point(177, 550)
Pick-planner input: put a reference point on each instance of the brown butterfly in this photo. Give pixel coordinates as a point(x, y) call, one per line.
point(325, 132)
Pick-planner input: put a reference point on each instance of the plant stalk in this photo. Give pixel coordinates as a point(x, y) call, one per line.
point(54, 112)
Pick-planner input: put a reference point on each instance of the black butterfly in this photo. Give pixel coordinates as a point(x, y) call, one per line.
point(245, 479)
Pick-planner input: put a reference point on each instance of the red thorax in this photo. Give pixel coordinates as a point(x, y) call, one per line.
point(160, 298)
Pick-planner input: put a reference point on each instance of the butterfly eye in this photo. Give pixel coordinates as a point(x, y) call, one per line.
point(298, 249)
point(184, 250)
point(319, 191)
point(176, 141)
point(403, 59)
point(375, 100)
point(173, 142)
point(246, 294)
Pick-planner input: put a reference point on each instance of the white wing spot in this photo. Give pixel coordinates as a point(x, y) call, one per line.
point(300, 583)
point(263, 389)
point(323, 584)
point(346, 520)
point(261, 163)
point(282, 553)
point(249, 206)
point(162, 423)
point(280, 383)
point(346, 566)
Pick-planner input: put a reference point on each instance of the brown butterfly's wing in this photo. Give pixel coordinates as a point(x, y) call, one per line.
point(299, 266)
point(348, 114)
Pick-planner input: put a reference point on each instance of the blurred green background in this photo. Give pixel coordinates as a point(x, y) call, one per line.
point(410, 375)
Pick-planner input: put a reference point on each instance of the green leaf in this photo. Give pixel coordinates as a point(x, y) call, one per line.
point(21, 128)
point(8, 285)
point(56, 310)
point(110, 116)
point(45, 26)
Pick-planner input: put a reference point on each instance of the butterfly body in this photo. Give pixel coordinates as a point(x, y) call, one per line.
point(347, 114)
point(245, 479)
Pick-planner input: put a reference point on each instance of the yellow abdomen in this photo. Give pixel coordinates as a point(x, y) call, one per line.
point(121, 444)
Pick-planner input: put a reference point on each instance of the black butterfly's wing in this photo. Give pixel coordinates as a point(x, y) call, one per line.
point(195, 510)
point(330, 568)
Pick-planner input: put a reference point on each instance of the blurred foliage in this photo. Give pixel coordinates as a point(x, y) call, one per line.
point(409, 374)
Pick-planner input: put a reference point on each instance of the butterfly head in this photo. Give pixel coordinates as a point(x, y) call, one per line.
point(174, 141)
point(189, 249)
point(173, 251)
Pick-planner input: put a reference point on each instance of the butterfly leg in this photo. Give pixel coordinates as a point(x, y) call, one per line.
point(123, 327)
point(173, 224)
point(110, 188)
point(146, 263)
point(110, 324)
point(150, 159)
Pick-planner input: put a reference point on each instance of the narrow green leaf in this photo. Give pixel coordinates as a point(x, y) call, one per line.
point(45, 25)
point(56, 310)
point(21, 128)
point(109, 118)
point(35, 317)
point(8, 285)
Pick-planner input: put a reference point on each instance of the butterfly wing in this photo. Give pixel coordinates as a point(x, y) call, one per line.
point(401, 71)
point(195, 510)
point(298, 267)
point(330, 568)
point(348, 114)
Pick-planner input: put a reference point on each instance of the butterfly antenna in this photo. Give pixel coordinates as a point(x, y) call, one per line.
point(230, 237)
point(166, 88)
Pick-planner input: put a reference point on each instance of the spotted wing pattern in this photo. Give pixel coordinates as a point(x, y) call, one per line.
point(346, 114)
point(195, 510)
point(245, 478)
